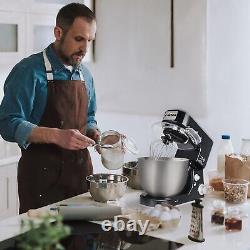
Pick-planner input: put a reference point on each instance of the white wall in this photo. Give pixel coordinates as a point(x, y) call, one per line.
point(132, 68)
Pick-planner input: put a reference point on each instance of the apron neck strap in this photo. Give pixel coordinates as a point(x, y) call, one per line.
point(81, 75)
point(48, 67)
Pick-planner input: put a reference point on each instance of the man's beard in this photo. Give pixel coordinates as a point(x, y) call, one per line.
point(70, 60)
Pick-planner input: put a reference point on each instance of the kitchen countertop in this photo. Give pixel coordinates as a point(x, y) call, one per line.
point(215, 235)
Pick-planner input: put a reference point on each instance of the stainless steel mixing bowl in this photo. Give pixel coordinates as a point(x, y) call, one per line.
point(130, 170)
point(163, 177)
point(105, 187)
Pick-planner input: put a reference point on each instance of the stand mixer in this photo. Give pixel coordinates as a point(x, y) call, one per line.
point(192, 143)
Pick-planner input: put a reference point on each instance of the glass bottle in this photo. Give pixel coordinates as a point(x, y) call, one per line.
point(225, 148)
point(245, 147)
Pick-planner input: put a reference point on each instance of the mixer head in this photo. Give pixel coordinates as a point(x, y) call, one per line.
point(192, 142)
point(180, 135)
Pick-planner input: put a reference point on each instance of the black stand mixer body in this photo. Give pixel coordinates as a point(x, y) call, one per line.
point(194, 144)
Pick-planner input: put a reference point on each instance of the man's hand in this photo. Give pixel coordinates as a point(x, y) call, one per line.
point(70, 139)
point(95, 135)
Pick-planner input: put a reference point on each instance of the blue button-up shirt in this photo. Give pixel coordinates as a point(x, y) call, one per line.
point(25, 95)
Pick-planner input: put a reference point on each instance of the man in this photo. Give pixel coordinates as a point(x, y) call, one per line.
point(49, 109)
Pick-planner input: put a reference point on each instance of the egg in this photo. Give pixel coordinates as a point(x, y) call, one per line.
point(158, 206)
point(165, 216)
point(147, 211)
point(155, 213)
point(175, 214)
point(167, 209)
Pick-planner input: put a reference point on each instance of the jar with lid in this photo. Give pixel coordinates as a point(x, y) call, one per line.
point(113, 158)
point(218, 212)
point(245, 147)
point(233, 220)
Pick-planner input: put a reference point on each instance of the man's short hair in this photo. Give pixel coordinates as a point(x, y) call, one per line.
point(69, 12)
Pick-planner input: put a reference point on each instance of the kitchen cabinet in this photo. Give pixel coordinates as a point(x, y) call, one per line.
point(28, 27)
point(52, 6)
point(13, 5)
point(40, 29)
point(12, 40)
point(8, 187)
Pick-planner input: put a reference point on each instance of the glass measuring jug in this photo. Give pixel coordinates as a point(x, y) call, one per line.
point(113, 158)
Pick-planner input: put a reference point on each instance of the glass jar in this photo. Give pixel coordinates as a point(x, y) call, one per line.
point(235, 190)
point(113, 158)
point(233, 221)
point(245, 147)
point(218, 212)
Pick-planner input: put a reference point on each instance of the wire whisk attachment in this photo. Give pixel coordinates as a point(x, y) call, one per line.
point(158, 150)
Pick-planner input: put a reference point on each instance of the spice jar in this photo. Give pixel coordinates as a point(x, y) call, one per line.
point(233, 221)
point(235, 190)
point(215, 180)
point(218, 212)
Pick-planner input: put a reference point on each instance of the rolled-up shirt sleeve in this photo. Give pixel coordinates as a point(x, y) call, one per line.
point(91, 121)
point(89, 83)
point(16, 106)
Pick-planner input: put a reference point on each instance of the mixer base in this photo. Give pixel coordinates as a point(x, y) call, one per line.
point(147, 200)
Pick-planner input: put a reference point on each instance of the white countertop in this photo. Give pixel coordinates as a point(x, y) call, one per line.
point(215, 235)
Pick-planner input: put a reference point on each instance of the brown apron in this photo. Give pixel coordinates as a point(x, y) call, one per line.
point(48, 173)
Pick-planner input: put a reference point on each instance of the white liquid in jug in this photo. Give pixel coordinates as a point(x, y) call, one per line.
point(112, 158)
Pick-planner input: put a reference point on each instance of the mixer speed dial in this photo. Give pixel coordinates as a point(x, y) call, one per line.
point(201, 189)
point(196, 177)
point(204, 189)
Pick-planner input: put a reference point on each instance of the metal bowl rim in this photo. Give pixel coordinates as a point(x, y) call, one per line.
point(123, 177)
point(160, 159)
point(130, 167)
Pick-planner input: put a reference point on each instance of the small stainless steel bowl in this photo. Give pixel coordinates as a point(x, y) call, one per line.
point(106, 187)
point(130, 170)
